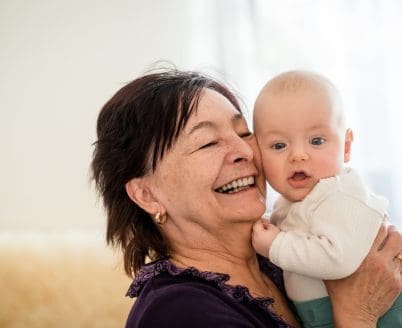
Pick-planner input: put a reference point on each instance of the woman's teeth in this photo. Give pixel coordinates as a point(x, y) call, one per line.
point(236, 185)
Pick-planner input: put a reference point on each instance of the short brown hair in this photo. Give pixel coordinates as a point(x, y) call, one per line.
point(135, 128)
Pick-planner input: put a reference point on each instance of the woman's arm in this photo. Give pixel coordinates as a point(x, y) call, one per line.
point(360, 299)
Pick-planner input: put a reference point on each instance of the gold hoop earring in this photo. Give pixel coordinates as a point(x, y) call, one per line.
point(160, 218)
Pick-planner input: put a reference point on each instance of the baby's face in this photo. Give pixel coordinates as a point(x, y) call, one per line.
point(301, 140)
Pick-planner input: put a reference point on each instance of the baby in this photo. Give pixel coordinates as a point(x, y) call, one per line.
point(326, 219)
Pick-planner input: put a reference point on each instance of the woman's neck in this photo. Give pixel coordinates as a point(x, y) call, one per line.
point(226, 251)
point(231, 254)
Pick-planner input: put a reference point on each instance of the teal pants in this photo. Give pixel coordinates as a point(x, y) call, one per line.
point(318, 313)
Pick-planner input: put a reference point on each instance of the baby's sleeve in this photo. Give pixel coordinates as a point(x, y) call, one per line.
point(341, 232)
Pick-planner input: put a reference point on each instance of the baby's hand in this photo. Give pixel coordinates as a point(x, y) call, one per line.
point(263, 235)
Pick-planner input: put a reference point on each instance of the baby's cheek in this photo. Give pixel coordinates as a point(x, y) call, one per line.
point(329, 166)
point(269, 166)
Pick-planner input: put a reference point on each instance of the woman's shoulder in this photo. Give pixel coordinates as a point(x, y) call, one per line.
point(177, 300)
point(185, 296)
point(168, 295)
point(164, 273)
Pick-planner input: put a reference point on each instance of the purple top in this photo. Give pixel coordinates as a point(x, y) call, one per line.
point(168, 296)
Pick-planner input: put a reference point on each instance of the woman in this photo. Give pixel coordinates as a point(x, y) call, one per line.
point(179, 173)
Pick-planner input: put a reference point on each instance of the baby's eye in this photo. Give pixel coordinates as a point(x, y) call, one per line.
point(278, 145)
point(317, 141)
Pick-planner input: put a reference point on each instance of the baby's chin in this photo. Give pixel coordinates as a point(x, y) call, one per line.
point(298, 195)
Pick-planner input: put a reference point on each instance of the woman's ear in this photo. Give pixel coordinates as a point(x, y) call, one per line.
point(348, 145)
point(138, 191)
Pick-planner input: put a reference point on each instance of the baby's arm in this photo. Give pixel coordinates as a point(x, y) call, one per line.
point(263, 235)
point(338, 240)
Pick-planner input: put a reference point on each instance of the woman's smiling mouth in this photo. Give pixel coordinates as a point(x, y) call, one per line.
point(236, 185)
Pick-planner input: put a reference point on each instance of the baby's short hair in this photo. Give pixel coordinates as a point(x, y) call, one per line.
point(300, 80)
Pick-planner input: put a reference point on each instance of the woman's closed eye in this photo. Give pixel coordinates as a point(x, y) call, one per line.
point(209, 144)
point(317, 141)
point(212, 143)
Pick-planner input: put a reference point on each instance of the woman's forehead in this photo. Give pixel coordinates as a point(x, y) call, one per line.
point(213, 109)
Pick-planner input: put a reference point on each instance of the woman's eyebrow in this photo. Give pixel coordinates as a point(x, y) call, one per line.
point(238, 117)
point(201, 125)
point(213, 125)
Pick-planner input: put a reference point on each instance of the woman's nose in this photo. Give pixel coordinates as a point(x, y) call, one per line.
point(240, 151)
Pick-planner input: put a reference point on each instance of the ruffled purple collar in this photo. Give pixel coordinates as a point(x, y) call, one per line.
point(238, 293)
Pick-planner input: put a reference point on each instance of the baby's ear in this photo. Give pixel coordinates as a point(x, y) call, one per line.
point(348, 145)
point(139, 192)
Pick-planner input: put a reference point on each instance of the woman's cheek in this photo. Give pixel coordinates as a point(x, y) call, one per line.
point(260, 182)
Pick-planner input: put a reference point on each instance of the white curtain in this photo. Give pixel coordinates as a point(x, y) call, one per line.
point(357, 44)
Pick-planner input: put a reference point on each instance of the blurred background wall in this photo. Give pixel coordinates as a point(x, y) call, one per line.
point(60, 61)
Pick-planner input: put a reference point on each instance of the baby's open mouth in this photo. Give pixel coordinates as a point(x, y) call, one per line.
point(299, 176)
point(236, 185)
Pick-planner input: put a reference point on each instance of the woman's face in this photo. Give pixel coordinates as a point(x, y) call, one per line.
point(212, 174)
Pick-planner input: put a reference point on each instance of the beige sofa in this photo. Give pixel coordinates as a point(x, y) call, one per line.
point(53, 280)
